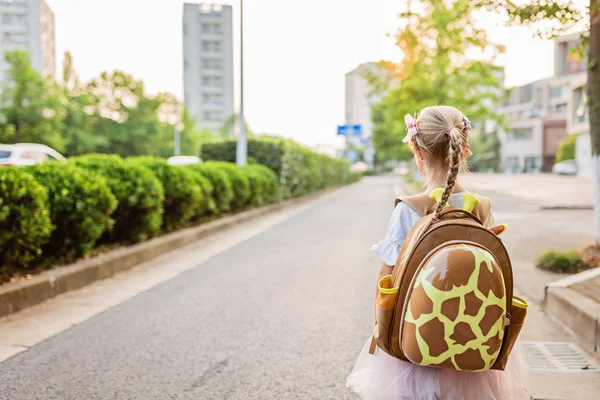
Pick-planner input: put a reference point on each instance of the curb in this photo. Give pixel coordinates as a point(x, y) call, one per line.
point(577, 312)
point(574, 207)
point(20, 295)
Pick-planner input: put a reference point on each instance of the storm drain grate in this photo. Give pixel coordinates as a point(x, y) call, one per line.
point(558, 356)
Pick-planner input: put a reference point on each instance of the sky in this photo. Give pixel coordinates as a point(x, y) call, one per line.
point(295, 58)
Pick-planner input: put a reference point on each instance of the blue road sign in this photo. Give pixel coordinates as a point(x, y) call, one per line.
point(350, 130)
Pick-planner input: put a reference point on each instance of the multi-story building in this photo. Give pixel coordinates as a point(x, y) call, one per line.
point(358, 105)
point(208, 63)
point(573, 62)
point(28, 25)
point(537, 117)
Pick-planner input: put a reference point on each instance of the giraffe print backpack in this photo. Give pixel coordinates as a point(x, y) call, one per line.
point(449, 302)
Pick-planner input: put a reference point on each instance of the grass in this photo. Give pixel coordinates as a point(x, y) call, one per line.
point(562, 262)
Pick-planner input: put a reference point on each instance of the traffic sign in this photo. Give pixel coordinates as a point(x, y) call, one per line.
point(350, 130)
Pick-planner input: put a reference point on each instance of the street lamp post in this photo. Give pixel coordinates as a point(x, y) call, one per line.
point(242, 146)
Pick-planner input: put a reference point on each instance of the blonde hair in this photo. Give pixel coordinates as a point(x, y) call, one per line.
point(443, 134)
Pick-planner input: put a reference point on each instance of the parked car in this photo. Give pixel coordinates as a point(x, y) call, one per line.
point(22, 154)
point(184, 160)
point(568, 167)
point(360, 166)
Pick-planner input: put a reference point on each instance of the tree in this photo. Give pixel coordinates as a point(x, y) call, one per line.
point(78, 124)
point(128, 118)
point(228, 128)
point(436, 70)
point(29, 104)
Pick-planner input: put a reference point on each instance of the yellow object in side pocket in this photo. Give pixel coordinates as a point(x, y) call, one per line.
point(386, 297)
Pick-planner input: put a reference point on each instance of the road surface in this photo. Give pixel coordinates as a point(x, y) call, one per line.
point(282, 315)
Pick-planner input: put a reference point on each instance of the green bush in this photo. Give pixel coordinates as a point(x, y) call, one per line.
point(266, 151)
point(567, 262)
point(139, 193)
point(264, 184)
point(239, 182)
point(209, 206)
point(24, 218)
point(300, 170)
point(81, 204)
point(222, 188)
point(566, 149)
point(183, 196)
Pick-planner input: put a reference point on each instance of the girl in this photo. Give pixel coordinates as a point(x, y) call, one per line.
point(439, 142)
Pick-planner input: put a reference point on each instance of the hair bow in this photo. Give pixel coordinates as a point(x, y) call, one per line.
point(467, 123)
point(411, 127)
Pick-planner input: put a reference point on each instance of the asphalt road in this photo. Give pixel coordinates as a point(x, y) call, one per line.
point(282, 315)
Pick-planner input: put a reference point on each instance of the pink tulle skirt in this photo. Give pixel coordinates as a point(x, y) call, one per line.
point(383, 377)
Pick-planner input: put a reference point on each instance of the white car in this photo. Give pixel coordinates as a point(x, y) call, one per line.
point(568, 167)
point(184, 160)
point(22, 154)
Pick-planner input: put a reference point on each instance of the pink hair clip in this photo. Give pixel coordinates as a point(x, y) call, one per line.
point(467, 123)
point(411, 127)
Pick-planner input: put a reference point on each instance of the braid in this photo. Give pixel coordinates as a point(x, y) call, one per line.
point(453, 172)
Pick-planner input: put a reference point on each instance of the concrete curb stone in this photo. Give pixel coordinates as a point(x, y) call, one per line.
point(17, 296)
point(577, 312)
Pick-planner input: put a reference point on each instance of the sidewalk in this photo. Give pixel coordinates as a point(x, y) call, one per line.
point(558, 367)
point(545, 190)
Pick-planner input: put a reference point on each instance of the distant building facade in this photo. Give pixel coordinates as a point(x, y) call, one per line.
point(208, 63)
point(28, 25)
point(538, 115)
point(358, 105)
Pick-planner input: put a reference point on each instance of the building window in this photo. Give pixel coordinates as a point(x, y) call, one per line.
point(520, 134)
point(580, 107)
point(512, 164)
point(214, 116)
point(209, 63)
point(533, 164)
point(555, 93)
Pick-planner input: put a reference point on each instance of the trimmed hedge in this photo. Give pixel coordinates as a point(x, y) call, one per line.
point(24, 218)
point(139, 193)
point(80, 208)
point(264, 184)
point(300, 170)
point(59, 211)
point(239, 182)
point(183, 195)
point(223, 189)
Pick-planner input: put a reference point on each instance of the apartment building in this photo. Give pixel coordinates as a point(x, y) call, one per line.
point(208, 63)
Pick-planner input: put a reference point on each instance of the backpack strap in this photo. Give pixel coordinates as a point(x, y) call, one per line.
point(483, 210)
point(422, 204)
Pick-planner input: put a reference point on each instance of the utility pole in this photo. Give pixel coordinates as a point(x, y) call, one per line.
point(242, 145)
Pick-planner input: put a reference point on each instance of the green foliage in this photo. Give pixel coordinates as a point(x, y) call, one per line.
point(24, 217)
point(28, 105)
point(223, 189)
point(266, 151)
point(566, 150)
point(436, 70)
point(264, 184)
point(486, 152)
point(139, 193)
point(210, 205)
point(183, 196)
point(300, 170)
point(567, 262)
point(239, 182)
point(80, 207)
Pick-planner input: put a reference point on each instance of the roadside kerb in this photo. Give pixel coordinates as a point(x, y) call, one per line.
point(577, 312)
point(17, 296)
